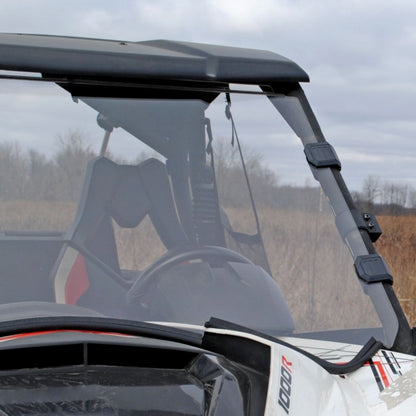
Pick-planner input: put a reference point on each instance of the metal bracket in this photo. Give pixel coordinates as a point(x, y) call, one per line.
point(368, 222)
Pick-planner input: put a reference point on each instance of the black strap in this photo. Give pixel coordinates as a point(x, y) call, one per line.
point(365, 354)
point(235, 135)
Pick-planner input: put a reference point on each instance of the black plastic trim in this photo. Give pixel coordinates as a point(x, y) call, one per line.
point(372, 269)
point(157, 59)
point(366, 352)
point(92, 353)
point(244, 351)
point(322, 155)
point(99, 324)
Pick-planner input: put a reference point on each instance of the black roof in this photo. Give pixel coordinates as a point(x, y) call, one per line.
point(156, 59)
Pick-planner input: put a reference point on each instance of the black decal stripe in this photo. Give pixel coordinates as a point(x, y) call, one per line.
point(397, 363)
point(392, 368)
point(376, 375)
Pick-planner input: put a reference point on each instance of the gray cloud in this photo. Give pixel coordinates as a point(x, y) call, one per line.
point(360, 57)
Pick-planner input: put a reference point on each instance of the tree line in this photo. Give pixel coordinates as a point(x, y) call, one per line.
point(29, 174)
point(385, 197)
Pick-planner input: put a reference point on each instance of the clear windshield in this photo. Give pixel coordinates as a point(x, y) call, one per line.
point(116, 229)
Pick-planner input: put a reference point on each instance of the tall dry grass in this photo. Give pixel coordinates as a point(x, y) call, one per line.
point(398, 247)
point(137, 247)
point(313, 269)
point(303, 246)
point(36, 215)
point(306, 256)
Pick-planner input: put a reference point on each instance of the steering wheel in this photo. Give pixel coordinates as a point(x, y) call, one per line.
point(209, 253)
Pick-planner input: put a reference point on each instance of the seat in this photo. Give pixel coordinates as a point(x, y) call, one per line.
point(87, 271)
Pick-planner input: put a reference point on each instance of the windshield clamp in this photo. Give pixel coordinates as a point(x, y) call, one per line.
point(368, 222)
point(372, 269)
point(322, 155)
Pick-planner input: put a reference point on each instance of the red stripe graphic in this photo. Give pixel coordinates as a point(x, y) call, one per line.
point(33, 334)
point(382, 373)
point(77, 282)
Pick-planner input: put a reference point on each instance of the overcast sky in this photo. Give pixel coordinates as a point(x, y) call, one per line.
point(360, 56)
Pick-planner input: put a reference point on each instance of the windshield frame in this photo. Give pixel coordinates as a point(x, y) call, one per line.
point(294, 107)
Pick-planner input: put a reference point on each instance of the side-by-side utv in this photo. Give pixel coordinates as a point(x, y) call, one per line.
point(177, 239)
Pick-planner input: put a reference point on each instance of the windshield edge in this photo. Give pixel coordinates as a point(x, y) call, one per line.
point(397, 332)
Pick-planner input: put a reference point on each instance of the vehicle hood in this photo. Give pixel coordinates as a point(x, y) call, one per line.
point(230, 366)
point(298, 385)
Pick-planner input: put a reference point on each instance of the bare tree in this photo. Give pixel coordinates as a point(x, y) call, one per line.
point(394, 197)
point(371, 191)
point(411, 197)
point(232, 187)
point(42, 177)
point(71, 159)
point(13, 171)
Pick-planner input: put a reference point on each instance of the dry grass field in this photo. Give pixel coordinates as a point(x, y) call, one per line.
point(293, 235)
point(313, 268)
point(398, 247)
point(302, 247)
